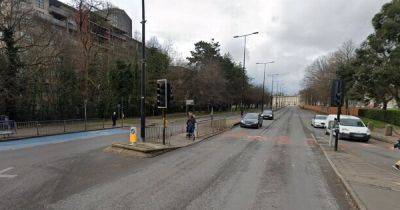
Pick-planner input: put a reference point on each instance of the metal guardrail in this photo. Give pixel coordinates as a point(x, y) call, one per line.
point(18, 130)
point(203, 128)
point(44, 128)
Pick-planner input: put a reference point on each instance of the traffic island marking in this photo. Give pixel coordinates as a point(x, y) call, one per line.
point(9, 176)
point(140, 149)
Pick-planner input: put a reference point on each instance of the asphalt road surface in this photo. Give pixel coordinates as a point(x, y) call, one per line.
point(276, 167)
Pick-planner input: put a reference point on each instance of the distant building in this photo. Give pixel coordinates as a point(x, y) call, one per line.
point(110, 29)
point(286, 100)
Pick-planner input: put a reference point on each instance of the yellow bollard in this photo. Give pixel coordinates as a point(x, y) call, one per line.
point(133, 135)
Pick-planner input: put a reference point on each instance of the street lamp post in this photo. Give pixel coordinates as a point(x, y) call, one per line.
point(244, 67)
point(263, 86)
point(272, 89)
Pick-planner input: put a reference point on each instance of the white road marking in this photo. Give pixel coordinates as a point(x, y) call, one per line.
point(7, 175)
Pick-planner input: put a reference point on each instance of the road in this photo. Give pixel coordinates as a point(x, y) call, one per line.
point(378, 153)
point(276, 167)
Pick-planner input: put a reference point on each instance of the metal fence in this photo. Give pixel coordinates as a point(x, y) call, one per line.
point(155, 133)
point(18, 130)
point(203, 128)
point(45, 128)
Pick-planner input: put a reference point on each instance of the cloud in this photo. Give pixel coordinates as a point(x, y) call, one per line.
point(292, 32)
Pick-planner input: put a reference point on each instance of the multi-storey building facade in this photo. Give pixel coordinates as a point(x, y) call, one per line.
point(112, 33)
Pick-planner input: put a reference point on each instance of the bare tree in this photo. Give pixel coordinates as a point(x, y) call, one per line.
point(26, 44)
point(90, 17)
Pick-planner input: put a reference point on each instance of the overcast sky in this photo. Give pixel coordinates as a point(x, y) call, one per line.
point(292, 32)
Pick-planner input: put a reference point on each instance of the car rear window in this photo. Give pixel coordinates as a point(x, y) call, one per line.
point(352, 122)
point(320, 117)
point(251, 116)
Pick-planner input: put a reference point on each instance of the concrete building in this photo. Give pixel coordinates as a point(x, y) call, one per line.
point(110, 29)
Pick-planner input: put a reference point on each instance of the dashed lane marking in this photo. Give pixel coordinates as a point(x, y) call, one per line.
point(9, 176)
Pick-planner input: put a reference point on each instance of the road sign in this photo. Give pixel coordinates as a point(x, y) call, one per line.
point(189, 102)
point(133, 135)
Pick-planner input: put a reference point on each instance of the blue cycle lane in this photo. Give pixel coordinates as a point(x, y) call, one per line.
point(37, 141)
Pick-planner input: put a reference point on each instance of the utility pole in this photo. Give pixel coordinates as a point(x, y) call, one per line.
point(143, 78)
point(272, 89)
point(263, 86)
point(244, 69)
point(278, 95)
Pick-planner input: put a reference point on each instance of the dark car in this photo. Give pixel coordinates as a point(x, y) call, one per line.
point(267, 115)
point(251, 120)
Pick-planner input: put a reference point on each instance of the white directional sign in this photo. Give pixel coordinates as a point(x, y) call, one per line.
point(189, 102)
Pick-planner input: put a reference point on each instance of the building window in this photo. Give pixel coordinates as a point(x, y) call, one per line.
point(40, 4)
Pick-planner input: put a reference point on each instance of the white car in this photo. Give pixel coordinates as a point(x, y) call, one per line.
point(350, 127)
point(318, 121)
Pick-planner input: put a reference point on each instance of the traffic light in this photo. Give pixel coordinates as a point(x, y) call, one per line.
point(162, 94)
point(170, 96)
point(337, 93)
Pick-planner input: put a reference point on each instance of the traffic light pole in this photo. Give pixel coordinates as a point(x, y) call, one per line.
point(142, 79)
point(337, 93)
point(164, 125)
point(339, 112)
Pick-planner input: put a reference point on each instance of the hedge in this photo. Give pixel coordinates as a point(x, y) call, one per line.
point(388, 116)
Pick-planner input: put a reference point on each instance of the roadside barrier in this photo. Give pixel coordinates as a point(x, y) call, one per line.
point(203, 128)
point(18, 130)
point(331, 110)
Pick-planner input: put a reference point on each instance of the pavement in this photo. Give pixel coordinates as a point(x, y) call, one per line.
point(278, 166)
point(381, 137)
point(365, 168)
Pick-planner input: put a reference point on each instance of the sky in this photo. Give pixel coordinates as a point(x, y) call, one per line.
point(292, 33)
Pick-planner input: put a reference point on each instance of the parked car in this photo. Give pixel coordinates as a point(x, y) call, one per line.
point(251, 120)
point(267, 114)
point(318, 121)
point(350, 127)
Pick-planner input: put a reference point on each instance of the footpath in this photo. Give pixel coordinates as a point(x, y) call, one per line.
point(371, 187)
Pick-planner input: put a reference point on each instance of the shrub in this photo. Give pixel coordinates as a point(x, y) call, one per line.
point(388, 116)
